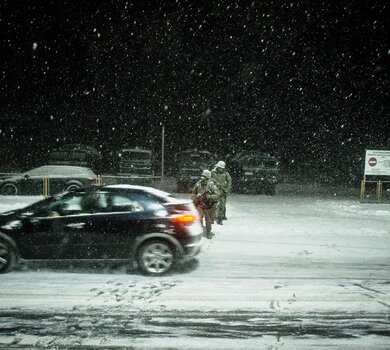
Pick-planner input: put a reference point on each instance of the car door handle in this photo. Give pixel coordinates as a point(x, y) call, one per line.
point(76, 225)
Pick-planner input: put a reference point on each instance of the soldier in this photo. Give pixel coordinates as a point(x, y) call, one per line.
point(223, 181)
point(204, 195)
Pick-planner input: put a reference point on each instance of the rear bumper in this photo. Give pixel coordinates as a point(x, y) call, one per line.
point(192, 249)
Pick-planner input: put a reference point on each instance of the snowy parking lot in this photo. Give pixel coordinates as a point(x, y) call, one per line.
point(283, 272)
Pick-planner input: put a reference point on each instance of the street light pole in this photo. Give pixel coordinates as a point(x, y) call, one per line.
point(162, 152)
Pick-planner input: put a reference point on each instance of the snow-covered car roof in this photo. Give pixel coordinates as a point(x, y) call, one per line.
point(168, 197)
point(150, 190)
point(61, 169)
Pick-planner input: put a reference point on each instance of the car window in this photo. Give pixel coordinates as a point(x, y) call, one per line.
point(73, 204)
point(113, 202)
point(102, 202)
point(132, 202)
point(126, 203)
point(149, 201)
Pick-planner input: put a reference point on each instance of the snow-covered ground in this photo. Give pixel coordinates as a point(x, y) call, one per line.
point(283, 272)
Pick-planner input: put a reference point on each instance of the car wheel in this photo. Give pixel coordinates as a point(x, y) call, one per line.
point(156, 257)
point(7, 256)
point(9, 189)
point(72, 186)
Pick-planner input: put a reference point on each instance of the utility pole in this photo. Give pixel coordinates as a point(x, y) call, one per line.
point(162, 152)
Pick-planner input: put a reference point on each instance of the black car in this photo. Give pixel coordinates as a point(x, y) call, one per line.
point(143, 226)
point(58, 177)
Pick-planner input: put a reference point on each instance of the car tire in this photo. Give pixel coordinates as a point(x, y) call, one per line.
point(9, 189)
point(73, 186)
point(156, 257)
point(7, 256)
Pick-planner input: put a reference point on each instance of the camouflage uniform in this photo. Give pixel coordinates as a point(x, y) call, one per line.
point(204, 195)
point(223, 181)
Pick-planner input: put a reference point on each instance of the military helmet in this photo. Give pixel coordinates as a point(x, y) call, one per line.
point(206, 174)
point(221, 164)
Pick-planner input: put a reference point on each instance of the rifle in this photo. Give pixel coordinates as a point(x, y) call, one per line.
point(205, 200)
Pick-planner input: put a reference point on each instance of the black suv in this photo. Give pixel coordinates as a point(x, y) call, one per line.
point(147, 227)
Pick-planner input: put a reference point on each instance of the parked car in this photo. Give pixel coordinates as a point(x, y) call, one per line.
point(147, 228)
point(60, 178)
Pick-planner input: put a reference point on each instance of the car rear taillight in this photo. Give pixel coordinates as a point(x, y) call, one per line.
point(183, 213)
point(186, 218)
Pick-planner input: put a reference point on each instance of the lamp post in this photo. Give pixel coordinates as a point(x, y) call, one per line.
point(162, 152)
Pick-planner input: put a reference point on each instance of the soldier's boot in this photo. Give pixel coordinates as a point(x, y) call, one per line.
point(208, 234)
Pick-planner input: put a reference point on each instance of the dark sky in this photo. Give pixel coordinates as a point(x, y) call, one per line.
point(305, 80)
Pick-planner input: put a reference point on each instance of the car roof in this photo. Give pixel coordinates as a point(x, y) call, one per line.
point(150, 190)
point(61, 166)
point(76, 146)
point(195, 151)
point(66, 168)
point(144, 150)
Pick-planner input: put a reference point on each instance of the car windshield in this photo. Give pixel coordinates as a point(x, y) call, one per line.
point(37, 206)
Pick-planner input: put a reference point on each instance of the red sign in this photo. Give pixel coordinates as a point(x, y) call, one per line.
point(372, 161)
